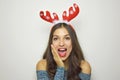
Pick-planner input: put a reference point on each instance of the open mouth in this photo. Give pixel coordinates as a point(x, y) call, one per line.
point(62, 52)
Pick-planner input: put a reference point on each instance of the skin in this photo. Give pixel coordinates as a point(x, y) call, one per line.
point(85, 66)
point(61, 39)
point(56, 57)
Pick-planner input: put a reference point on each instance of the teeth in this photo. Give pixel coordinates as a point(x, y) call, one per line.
point(62, 49)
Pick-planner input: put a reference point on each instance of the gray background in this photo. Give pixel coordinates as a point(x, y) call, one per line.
point(24, 36)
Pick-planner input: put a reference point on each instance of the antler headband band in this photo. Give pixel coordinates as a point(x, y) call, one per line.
point(65, 18)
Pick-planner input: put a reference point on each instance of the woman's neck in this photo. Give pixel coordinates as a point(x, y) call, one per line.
point(65, 64)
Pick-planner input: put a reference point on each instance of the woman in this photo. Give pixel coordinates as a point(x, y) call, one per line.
point(63, 58)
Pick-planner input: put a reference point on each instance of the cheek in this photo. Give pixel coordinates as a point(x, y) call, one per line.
point(69, 46)
point(55, 44)
point(68, 43)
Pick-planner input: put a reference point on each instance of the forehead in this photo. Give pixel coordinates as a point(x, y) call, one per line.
point(61, 31)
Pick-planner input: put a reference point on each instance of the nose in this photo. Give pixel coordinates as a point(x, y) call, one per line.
point(61, 43)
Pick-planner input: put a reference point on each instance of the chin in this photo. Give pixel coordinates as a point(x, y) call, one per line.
point(63, 59)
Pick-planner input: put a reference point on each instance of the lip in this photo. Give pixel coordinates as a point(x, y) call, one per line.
point(62, 52)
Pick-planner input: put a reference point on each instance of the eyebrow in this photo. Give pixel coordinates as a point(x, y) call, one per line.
point(64, 35)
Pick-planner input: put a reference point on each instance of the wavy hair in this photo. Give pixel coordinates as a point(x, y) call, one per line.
point(74, 60)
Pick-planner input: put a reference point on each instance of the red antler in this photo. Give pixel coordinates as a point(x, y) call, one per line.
point(72, 13)
point(48, 16)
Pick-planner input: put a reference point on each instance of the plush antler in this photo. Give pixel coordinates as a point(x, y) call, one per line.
point(72, 13)
point(48, 17)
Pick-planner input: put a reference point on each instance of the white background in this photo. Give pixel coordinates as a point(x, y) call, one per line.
point(24, 36)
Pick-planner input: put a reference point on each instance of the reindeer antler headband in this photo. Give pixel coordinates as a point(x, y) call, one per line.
point(65, 18)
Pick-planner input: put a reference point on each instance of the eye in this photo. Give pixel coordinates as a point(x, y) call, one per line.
point(67, 38)
point(55, 38)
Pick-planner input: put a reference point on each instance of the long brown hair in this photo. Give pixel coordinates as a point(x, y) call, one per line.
point(74, 60)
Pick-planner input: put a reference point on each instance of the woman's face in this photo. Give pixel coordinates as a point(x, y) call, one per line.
point(62, 42)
